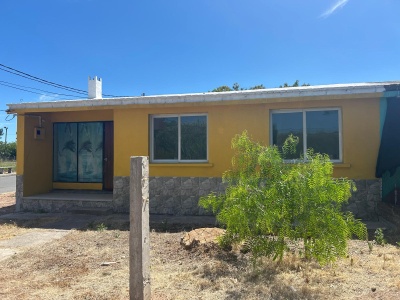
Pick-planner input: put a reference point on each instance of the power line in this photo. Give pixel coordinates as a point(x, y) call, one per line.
point(34, 78)
point(30, 91)
point(11, 85)
point(43, 81)
point(40, 81)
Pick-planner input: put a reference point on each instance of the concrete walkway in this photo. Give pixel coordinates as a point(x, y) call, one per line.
point(31, 239)
point(60, 224)
point(7, 183)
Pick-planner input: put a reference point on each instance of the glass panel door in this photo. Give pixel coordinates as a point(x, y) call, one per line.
point(90, 154)
point(78, 152)
point(65, 149)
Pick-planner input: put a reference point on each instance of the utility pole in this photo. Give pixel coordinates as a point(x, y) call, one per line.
point(5, 140)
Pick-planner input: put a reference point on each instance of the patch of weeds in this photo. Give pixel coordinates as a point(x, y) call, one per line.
point(370, 246)
point(379, 237)
point(398, 244)
point(98, 227)
point(101, 227)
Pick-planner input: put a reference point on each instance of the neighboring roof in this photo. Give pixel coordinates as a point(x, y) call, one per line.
point(272, 93)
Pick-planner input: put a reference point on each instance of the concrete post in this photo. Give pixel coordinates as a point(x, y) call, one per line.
point(139, 236)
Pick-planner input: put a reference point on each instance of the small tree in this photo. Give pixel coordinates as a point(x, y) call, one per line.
point(271, 204)
point(8, 151)
point(295, 84)
point(236, 87)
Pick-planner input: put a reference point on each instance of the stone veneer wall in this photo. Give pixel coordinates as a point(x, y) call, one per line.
point(121, 194)
point(364, 202)
point(180, 195)
point(170, 195)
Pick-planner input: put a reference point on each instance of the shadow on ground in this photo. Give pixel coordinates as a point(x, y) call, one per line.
point(7, 209)
point(68, 221)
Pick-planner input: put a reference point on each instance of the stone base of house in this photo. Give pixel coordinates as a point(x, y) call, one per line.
point(180, 196)
point(170, 195)
point(19, 191)
point(63, 205)
point(364, 202)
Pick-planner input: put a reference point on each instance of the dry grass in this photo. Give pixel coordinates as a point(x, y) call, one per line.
point(8, 164)
point(7, 203)
point(209, 273)
point(10, 229)
point(71, 268)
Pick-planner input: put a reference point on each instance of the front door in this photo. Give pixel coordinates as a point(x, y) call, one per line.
point(108, 165)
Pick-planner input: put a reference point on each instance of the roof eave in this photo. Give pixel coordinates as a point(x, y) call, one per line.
point(276, 93)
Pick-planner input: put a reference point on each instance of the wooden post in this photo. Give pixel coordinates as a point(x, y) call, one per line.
point(139, 236)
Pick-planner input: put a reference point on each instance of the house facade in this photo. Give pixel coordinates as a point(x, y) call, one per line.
point(87, 144)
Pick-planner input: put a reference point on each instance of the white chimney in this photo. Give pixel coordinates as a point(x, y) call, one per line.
point(94, 88)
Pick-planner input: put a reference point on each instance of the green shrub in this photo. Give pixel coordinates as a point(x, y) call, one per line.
point(270, 204)
point(379, 237)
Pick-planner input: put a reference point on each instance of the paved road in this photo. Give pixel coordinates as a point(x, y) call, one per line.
point(7, 183)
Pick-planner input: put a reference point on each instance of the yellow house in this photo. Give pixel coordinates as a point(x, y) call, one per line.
point(87, 144)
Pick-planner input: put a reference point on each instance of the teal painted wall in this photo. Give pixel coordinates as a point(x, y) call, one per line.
point(383, 107)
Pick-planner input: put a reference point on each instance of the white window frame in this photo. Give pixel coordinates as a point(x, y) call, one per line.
point(179, 160)
point(303, 111)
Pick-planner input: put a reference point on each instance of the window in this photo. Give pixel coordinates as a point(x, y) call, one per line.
point(316, 129)
point(179, 138)
point(78, 152)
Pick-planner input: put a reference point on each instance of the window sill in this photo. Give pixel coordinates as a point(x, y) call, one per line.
point(182, 165)
point(341, 165)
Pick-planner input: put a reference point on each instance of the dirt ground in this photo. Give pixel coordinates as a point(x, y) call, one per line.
point(7, 203)
point(93, 264)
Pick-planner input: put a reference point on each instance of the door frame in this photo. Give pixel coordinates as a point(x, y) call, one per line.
point(108, 156)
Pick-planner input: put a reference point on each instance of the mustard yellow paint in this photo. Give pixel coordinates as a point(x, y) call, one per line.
point(37, 154)
point(35, 157)
point(20, 145)
point(360, 136)
point(77, 186)
point(83, 116)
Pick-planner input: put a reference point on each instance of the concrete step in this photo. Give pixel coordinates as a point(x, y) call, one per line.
point(101, 211)
point(64, 201)
point(37, 204)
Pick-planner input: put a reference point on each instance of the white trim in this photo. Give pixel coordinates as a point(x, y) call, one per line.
point(273, 93)
point(304, 119)
point(179, 160)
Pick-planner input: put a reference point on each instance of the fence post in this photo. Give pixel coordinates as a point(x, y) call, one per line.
point(139, 235)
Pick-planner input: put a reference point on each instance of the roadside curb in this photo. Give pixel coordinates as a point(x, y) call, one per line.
point(8, 174)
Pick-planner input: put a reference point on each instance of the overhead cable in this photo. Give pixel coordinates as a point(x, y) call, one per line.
point(34, 78)
point(44, 81)
point(11, 85)
point(29, 91)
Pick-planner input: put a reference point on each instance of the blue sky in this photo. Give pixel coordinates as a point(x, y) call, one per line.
point(176, 46)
